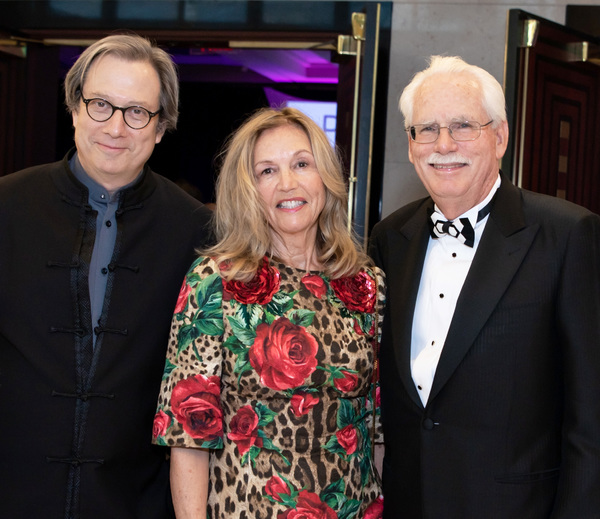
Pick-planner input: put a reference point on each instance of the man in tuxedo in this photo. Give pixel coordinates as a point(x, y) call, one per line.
point(490, 355)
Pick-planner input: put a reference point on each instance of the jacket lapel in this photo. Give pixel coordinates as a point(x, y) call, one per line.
point(504, 244)
point(411, 245)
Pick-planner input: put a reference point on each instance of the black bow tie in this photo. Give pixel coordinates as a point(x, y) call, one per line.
point(460, 229)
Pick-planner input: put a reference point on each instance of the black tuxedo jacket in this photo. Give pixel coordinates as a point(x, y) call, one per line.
point(512, 426)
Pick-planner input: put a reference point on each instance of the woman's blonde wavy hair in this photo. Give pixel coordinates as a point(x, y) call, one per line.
point(243, 234)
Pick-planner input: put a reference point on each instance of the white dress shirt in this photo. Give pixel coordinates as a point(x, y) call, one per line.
point(445, 269)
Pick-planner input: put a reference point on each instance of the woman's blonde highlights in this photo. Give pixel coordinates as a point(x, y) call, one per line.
point(243, 234)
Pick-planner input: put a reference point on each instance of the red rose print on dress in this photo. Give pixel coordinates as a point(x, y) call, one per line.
point(260, 290)
point(309, 506)
point(283, 354)
point(302, 402)
point(161, 423)
point(360, 331)
point(182, 298)
point(276, 487)
point(244, 429)
point(315, 285)
point(346, 384)
point(347, 438)
point(195, 403)
point(375, 509)
point(357, 328)
point(357, 293)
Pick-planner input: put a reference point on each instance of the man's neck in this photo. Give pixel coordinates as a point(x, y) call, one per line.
point(111, 183)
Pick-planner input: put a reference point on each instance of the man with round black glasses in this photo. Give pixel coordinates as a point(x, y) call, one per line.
point(93, 250)
point(490, 349)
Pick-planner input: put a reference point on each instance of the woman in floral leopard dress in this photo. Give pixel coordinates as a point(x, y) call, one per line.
point(268, 392)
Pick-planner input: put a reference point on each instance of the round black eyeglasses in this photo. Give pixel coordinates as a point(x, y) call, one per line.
point(136, 117)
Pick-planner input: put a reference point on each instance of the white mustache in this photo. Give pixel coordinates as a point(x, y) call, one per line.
point(451, 158)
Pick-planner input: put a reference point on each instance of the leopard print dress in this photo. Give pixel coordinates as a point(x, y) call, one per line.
point(275, 377)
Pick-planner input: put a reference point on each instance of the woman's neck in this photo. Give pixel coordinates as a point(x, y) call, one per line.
point(302, 256)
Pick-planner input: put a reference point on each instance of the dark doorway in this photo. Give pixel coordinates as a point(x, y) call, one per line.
point(553, 98)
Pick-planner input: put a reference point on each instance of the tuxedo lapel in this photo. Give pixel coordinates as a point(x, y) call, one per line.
point(410, 244)
point(504, 244)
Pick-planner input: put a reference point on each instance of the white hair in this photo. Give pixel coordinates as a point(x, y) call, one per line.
point(493, 100)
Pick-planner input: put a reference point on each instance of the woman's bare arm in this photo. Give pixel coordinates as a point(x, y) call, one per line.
point(189, 482)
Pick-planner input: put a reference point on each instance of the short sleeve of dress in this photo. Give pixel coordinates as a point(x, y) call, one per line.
point(189, 413)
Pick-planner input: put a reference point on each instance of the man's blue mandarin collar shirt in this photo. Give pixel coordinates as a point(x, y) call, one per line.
point(106, 205)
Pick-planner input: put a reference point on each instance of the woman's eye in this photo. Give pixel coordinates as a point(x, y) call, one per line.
point(306, 163)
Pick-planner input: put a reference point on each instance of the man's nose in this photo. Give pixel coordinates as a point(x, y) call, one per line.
point(445, 140)
point(116, 124)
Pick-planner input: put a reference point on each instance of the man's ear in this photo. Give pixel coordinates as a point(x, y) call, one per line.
point(410, 143)
point(160, 131)
point(501, 139)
